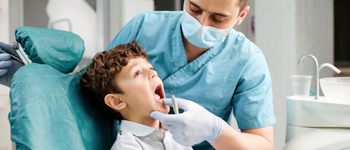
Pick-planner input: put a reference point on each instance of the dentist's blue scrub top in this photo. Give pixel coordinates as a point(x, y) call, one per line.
point(230, 77)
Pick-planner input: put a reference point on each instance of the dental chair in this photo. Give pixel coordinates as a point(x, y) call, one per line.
point(48, 109)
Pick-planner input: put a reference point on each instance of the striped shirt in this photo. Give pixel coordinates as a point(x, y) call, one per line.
point(135, 136)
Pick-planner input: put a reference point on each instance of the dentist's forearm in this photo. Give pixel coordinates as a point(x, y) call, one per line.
point(252, 139)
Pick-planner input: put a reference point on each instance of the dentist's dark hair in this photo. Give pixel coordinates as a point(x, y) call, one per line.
point(242, 4)
point(98, 80)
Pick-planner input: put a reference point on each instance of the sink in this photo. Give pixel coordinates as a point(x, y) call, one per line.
point(317, 124)
point(320, 122)
point(308, 112)
point(329, 112)
point(336, 89)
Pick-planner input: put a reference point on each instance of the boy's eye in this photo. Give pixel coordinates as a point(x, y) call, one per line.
point(137, 73)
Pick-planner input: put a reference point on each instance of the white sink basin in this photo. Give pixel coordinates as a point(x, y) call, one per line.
point(308, 112)
point(336, 89)
point(328, 112)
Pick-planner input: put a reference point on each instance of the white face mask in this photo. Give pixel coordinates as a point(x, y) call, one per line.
point(202, 36)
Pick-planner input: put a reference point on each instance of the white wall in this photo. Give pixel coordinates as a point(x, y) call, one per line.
point(4, 21)
point(5, 140)
point(122, 11)
point(285, 30)
point(4, 32)
point(5, 131)
point(315, 34)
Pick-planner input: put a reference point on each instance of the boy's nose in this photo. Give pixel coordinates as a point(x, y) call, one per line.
point(153, 75)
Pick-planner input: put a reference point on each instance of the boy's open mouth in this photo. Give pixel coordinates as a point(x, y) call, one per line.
point(159, 93)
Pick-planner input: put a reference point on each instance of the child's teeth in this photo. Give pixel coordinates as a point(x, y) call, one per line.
point(156, 96)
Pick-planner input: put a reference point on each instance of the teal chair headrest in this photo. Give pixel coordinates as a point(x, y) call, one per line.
point(61, 50)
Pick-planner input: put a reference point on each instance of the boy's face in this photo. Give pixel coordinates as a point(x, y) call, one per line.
point(143, 89)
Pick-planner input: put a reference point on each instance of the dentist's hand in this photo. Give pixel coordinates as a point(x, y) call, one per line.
point(193, 126)
point(8, 66)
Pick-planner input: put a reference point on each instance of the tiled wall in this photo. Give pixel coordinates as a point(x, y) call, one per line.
point(285, 30)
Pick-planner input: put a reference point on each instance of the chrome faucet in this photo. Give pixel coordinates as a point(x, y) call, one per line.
point(317, 71)
point(330, 66)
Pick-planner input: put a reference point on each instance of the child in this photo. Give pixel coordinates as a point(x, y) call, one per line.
point(124, 86)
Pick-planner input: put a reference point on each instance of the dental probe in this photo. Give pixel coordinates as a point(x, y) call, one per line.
point(9, 50)
point(175, 108)
point(13, 56)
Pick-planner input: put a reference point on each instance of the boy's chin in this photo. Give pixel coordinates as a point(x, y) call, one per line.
point(165, 110)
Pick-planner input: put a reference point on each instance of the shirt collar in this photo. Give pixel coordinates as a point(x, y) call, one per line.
point(137, 129)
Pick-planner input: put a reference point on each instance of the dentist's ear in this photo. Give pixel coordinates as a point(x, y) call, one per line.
point(115, 102)
point(242, 15)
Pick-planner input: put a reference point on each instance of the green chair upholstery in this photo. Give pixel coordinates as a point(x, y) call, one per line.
point(48, 109)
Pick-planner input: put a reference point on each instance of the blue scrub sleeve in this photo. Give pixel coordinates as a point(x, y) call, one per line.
point(128, 32)
point(252, 101)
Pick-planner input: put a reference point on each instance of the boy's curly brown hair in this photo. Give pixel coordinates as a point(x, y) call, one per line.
point(99, 78)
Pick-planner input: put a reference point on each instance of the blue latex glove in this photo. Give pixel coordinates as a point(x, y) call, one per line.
point(193, 126)
point(8, 66)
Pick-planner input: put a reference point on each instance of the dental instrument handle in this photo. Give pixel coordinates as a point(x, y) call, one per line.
point(175, 108)
point(13, 56)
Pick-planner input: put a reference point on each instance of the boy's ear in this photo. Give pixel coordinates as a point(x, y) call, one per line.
point(114, 101)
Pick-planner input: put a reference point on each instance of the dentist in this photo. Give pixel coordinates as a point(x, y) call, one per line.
point(212, 69)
